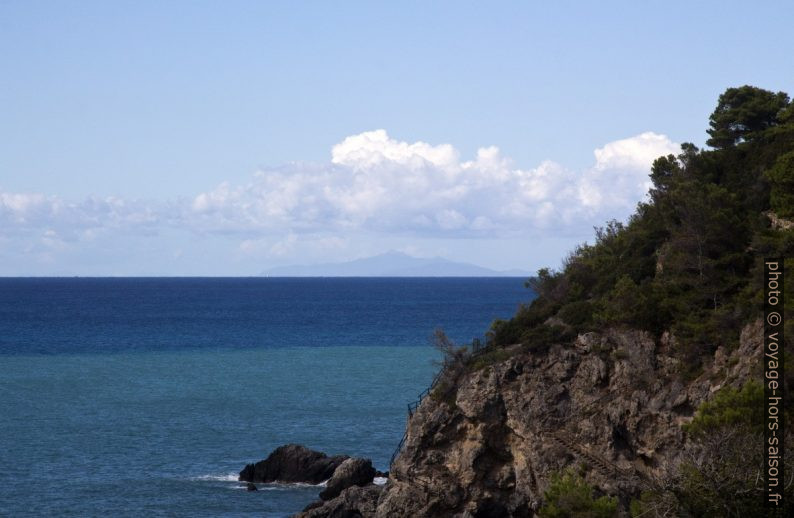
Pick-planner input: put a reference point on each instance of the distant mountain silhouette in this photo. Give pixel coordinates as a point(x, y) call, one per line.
point(392, 264)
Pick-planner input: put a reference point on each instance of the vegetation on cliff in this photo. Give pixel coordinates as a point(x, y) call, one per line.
point(723, 461)
point(569, 496)
point(687, 268)
point(575, 406)
point(689, 260)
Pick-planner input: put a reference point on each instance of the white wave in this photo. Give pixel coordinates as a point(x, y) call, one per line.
point(228, 477)
point(269, 486)
point(379, 481)
point(288, 485)
point(243, 486)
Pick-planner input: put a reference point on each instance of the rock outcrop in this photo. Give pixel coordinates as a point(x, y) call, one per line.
point(352, 472)
point(293, 463)
point(611, 403)
point(353, 502)
point(349, 491)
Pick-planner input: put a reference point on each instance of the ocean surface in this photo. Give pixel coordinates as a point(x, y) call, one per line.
point(133, 396)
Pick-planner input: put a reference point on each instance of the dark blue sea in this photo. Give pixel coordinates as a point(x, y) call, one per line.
point(133, 396)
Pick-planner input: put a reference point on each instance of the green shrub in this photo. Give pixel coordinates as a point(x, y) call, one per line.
point(504, 332)
point(721, 463)
point(541, 337)
point(569, 496)
point(655, 504)
point(444, 392)
point(488, 358)
point(622, 304)
point(577, 314)
point(730, 407)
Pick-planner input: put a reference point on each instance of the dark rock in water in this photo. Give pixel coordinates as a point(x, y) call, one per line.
point(251, 487)
point(293, 463)
point(352, 472)
point(349, 492)
point(353, 502)
point(381, 474)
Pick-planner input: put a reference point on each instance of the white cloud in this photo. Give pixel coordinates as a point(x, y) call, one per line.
point(21, 204)
point(374, 148)
point(450, 219)
point(620, 175)
point(373, 183)
point(378, 183)
point(22, 213)
point(284, 246)
point(635, 153)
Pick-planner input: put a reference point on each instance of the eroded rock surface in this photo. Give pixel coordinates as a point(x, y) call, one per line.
point(293, 463)
point(352, 472)
point(612, 402)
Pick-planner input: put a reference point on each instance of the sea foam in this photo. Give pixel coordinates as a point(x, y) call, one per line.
point(228, 477)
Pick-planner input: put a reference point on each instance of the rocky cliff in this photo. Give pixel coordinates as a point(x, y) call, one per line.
point(611, 404)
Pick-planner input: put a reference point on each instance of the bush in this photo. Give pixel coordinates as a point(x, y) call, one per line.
point(577, 314)
point(630, 304)
point(504, 332)
point(730, 407)
point(488, 358)
point(721, 470)
point(454, 360)
point(569, 496)
point(540, 338)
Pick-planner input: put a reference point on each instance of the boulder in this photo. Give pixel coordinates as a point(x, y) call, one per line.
point(353, 502)
point(251, 487)
point(352, 472)
point(293, 463)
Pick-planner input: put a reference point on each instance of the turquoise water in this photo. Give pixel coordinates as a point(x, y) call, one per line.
point(100, 417)
point(170, 431)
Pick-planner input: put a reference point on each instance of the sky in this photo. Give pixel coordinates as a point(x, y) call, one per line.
point(226, 138)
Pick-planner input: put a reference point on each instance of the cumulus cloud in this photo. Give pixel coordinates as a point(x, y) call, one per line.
point(636, 153)
point(374, 148)
point(619, 177)
point(378, 183)
point(21, 213)
point(373, 183)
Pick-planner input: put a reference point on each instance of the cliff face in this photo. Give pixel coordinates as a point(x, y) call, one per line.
point(688, 261)
point(611, 403)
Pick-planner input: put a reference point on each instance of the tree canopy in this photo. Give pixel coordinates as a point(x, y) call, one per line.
point(689, 260)
point(743, 112)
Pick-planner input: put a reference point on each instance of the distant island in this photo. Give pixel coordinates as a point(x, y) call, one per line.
point(392, 264)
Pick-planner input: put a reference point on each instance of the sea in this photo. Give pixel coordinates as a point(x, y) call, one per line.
point(147, 396)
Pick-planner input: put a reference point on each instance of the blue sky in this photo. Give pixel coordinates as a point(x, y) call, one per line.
point(209, 138)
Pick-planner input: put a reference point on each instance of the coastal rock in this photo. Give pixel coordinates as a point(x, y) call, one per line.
point(314, 505)
point(251, 487)
point(293, 463)
point(352, 472)
point(611, 404)
point(353, 502)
